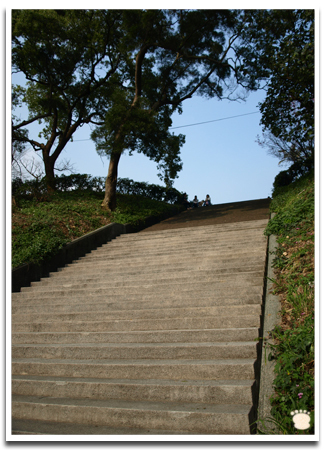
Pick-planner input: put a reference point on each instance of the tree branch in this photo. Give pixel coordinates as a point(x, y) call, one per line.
point(27, 122)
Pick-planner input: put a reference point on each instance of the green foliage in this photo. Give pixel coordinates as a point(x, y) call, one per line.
point(294, 383)
point(42, 223)
point(293, 204)
point(294, 172)
point(126, 71)
point(69, 59)
point(293, 348)
point(135, 209)
point(280, 47)
point(83, 182)
point(172, 55)
point(152, 191)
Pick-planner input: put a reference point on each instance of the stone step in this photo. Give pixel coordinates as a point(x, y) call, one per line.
point(127, 314)
point(191, 417)
point(227, 265)
point(177, 290)
point(234, 295)
point(208, 391)
point(140, 325)
point(141, 281)
point(174, 255)
point(219, 243)
point(222, 369)
point(126, 268)
point(187, 351)
point(216, 228)
point(177, 245)
point(80, 304)
point(150, 274)
point(38, 428)
point(153, 336)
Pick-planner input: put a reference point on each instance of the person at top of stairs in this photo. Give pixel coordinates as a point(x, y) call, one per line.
point(207, 201)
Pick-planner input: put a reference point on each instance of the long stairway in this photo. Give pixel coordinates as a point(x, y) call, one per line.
point(152, 333)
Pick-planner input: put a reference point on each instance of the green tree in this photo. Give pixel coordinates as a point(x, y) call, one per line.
point(67, 57)
point(170, 56)
point(280, 48)
point(126, 72)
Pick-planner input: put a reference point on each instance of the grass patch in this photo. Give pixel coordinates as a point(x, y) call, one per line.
point(40, 227)
point(293, 348)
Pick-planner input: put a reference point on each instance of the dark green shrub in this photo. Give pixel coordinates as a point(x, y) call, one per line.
point(84, 182)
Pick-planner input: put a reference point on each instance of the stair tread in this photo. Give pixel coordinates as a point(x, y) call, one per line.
point(150, 406)
point(221, 310)
point(151, 362)
point(141, 320)
point(33, 427)
point(139, 345)
point(148, 381)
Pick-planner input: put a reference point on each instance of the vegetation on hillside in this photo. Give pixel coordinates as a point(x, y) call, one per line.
point(294, 339)
point(43, 223)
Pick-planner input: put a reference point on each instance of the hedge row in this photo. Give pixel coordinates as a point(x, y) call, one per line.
point(82, 182)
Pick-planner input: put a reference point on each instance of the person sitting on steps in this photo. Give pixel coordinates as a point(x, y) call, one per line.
point(195, 202)
point(207, 201)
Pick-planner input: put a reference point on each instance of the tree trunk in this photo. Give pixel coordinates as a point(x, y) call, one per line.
point(110, 198)
point(49, 172)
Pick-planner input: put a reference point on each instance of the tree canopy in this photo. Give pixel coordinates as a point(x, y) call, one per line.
point(171, 55)
point(127, 71)
point(68, 57)
point(282, 42)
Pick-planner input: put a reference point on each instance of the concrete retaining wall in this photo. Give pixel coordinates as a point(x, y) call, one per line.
point(272, 308)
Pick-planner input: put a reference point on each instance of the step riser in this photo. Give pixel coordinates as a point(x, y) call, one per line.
point(170, 336)
point(222, 231)
point(210, 250)
point(231, 227)
point(253, 245)
point(159, 277)
point(136, 314)
point(151, 272)
point(219, 248)
point(147, 258)
point(126, 266)
point(189, 353)
point(136, 325)
point(189, 237)
point(176, 291)
point(227, 394)
point(173, 371)
point(86, 304)
point(192, 421)
point(254, 278)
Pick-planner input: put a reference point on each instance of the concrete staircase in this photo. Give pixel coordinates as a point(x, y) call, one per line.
point(152, 333)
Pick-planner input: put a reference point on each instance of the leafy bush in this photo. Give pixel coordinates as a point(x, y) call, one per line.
point(293, 348)
point(152, 191)
point(293, 205)
point(81, 182)
point(296, 171)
